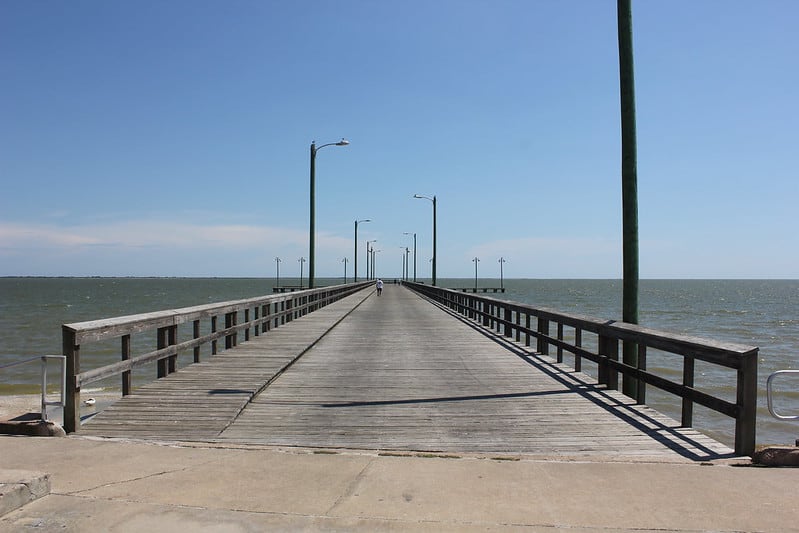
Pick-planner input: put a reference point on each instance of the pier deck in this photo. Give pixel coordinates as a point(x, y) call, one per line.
point(396, 372)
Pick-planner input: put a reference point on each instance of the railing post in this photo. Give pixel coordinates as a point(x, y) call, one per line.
point(127, 380)
point(247, 321)
point(507, 318)
point(213, 330)
point(71, 350)
point(265, 312)
point(230, 321)
point(688, 366)
point(196, 335)
point(641, 389)
point(560, 338)
point(542, 346)
point(578, 342)
point(172, 339)
point(609, 349)
point(746, 399)
point(163, 369)
point(527, 329)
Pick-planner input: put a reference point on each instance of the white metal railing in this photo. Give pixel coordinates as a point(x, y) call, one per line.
point(43, 359)
point(771, 409)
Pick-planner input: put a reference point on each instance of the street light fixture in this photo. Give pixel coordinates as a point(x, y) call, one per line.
point(433, 199)
point(277, 265)
point(345, 269)
point(311, 254)
point(374, 254)
point(414, 254)
point(501, 280)
point(476, 260)
point(368, 258)
point(404, 262)
point(356, 247)
point(301, 260)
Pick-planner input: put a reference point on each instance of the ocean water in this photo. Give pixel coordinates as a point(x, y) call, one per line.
point(761, 313)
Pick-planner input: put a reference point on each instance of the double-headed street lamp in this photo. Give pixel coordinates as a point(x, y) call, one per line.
point(314, 149)
point(476, 260)
point(356, 247)
point(345, 269)
point(501, 274)
point(277, 265)
point(433, 199)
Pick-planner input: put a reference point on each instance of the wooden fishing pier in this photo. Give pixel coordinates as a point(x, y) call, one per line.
point(419, 368)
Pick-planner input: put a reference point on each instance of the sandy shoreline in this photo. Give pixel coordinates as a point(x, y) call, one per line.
point(13, 405)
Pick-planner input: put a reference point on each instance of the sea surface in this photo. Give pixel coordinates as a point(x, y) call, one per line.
point(761, 313)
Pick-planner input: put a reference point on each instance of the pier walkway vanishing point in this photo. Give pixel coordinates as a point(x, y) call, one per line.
point(396, 372)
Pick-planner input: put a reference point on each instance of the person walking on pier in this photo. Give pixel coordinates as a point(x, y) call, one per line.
point(379, 287)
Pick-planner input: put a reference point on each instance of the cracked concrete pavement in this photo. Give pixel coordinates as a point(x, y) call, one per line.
point(106, 485)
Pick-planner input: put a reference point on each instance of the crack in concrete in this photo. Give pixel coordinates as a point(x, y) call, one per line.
point(351, 488)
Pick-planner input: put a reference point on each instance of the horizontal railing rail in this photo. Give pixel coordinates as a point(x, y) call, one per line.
point(524, 323)
point(257, 315)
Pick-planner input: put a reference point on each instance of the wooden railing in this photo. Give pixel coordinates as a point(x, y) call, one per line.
point(258, 315)
point(523, 323)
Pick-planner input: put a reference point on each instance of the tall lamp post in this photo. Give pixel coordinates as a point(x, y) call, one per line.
point(404, 262)
point(374, 254)
point(301, 260)
point(345, 269)
point(433, 199)
point(312, 238)
point(368, 259)
point(501, 280)
point(414, 254)
point(355, 278)
point(475, 260)
point(277, 265)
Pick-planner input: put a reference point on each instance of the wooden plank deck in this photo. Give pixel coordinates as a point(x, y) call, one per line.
point(397, 373)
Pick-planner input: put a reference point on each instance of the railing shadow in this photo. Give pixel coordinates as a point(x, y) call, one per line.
point(598, 394)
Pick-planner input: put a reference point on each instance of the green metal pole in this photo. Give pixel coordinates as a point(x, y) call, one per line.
point(355, 279)
point(435, 253)
point(313, 217)
point(629, 185)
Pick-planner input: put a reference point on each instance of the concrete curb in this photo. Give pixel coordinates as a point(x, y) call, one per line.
point(18, 487)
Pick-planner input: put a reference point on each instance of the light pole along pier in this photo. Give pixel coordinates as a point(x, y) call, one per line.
point(312, 231)
point(433, 199)
point(355, 278)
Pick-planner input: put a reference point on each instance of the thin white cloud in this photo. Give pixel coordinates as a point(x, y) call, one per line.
point(13, 236)
point(137, 234)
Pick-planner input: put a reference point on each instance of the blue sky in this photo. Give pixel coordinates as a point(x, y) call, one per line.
point(171, 137)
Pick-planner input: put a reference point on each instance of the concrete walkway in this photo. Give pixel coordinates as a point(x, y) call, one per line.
point(107, 485)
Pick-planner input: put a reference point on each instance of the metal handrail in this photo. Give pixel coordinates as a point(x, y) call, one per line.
point(43, 359)
point(768, 396)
